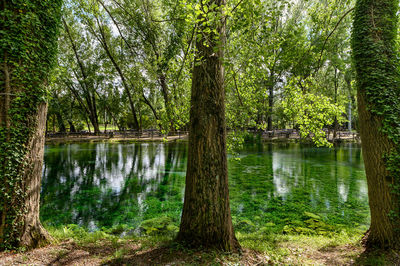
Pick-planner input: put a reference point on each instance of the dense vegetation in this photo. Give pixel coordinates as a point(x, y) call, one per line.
point(128, 64)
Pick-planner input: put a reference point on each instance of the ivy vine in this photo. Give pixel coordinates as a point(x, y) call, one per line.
point(28, 45)
point(375, 55)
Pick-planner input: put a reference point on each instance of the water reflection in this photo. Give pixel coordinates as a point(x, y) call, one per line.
point(283, 181)
point(105, 184)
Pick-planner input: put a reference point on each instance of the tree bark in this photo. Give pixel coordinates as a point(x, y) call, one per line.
point(206, 218)
point(374, 146)
point(19, 223)
point(34, 235)
point(5, 121)
point(375, 58)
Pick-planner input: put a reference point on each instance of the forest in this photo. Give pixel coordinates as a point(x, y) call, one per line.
point(199, 132)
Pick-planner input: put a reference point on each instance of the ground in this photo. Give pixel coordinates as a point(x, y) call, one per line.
point(101, 249)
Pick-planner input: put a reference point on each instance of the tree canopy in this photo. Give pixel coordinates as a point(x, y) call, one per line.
point(129, 63)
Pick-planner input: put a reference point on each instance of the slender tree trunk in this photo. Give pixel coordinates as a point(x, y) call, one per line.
point(71, 127)
point(335, 123)
point(146, 101)
point(104, 43)
point(88, 125)
point(349, 107)
point(375, 57)
point(165, 91)
point(60, 121)
point(132, 105)
point(270, 106)
point(349, 115)
point(54, 124)
point(86, 85)
point(206, 218)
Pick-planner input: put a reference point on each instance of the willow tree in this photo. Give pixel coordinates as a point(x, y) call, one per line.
point(376, 62)
point(206, 218)
point(28, 45)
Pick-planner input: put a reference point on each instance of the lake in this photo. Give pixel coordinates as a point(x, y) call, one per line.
point(277, 187)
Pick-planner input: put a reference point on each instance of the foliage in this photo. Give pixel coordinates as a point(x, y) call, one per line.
point(28, 44)
point(311, 112)
point(159, 226)
point(268, 44)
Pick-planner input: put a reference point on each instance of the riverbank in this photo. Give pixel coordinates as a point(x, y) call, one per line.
point(100, 248)
point(103, 138)
point(151, 136)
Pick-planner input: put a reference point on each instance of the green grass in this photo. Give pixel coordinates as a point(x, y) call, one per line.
point(294, 249)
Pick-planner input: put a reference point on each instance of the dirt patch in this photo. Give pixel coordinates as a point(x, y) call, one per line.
point(171, 256)
point(67, 253)
point(341, 255)
point(328, 255)
point(129, 253)
point(133, 253)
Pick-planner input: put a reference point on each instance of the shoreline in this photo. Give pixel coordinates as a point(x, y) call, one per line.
point(183, 138)
point(99, 139)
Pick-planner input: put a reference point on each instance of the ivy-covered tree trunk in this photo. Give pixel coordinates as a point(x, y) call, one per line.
point(28, 45)
point(206, 218)
point(375, 58)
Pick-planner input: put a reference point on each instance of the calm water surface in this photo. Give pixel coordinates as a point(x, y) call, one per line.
point(106, 184)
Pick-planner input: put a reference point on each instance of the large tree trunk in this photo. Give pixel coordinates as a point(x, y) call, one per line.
point(375, 58)
point(374, 146)
point(33, 234)
point(19, 223)
point(206, 218)
point(25, 64)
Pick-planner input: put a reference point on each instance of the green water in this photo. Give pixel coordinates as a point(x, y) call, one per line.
point(275, 186)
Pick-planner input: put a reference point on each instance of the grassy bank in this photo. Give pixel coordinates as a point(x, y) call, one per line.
point(73, 245)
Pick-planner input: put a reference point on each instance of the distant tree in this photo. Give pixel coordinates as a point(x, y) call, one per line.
point(377, 75)
point(206, 218)
point(84, 83)
point(28, 45)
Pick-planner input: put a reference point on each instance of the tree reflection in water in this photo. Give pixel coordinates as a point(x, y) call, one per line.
point(106, 184)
